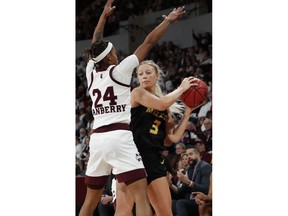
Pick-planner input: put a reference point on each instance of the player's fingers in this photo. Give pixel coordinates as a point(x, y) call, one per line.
point(180, 8)
point(193, 83)
point(190, 77)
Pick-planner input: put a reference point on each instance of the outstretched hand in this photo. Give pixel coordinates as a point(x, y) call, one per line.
point(173, 16)
point(108, 8)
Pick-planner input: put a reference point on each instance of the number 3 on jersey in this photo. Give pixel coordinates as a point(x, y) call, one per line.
point(155, 127)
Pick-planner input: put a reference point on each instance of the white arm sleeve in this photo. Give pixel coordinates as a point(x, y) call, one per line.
point(123, 71)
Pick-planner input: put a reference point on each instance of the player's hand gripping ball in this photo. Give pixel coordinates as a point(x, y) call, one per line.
point(195, 95)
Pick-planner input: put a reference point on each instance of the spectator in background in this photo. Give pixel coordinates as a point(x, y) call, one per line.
point(79, 167)
point(182, 166)
point(88, 120)
point(204, 56)
point(106, 205)
point(207, 38)
point(202, 40)
point(184, 162)
point(84, 156)
point(207, 132)
point(179, 149)
point(190, 136)
point(78, 123)
point(204, 155)
point(207, 106)
point(80, 95)
point(79, 148)
point(209, 114)
point(169, 86)
point(82, 113)
point(197, 179)
point(197, 38)
point(167, 156)
point(82, 135)
point(199, 71)
point(204, 201)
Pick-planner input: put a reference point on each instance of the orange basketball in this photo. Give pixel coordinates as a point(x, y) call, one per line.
point(195, 95)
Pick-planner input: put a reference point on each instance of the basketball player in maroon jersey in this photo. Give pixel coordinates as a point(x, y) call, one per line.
point(111, 145)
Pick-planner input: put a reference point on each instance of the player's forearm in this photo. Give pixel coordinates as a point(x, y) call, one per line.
point(180, 129)
point(170, 98)
point(154, 36)
point(99, 30)
point(107, 11)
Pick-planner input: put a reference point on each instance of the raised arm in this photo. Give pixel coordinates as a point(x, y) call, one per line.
point(107, 11)
point(154, 36)
point(174, 134)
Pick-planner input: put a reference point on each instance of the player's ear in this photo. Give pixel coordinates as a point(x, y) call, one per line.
point(109, 56)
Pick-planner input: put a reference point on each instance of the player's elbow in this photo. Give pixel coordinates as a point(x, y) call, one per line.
point(142, 51)
point(174, 139)
point(165, 103)
point(163, 107)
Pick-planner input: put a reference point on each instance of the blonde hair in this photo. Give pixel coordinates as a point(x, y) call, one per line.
point(178, 107)
point(158, 71)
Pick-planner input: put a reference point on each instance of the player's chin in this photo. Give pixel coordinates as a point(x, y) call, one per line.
point(145, 85)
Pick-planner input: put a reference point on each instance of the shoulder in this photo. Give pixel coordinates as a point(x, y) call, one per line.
point(205, 166)
point(136, 95)
point(126, 67)
point(138, 91)
point(129, 60)
point(90, 65)
point(204, 163)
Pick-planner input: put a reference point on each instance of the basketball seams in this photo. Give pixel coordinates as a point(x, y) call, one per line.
point(201, 93)
point(187, 93)
point(195, 96)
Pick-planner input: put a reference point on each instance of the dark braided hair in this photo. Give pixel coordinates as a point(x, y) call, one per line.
point(96, 49)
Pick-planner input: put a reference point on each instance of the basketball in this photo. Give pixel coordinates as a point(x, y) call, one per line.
point(195, 95)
